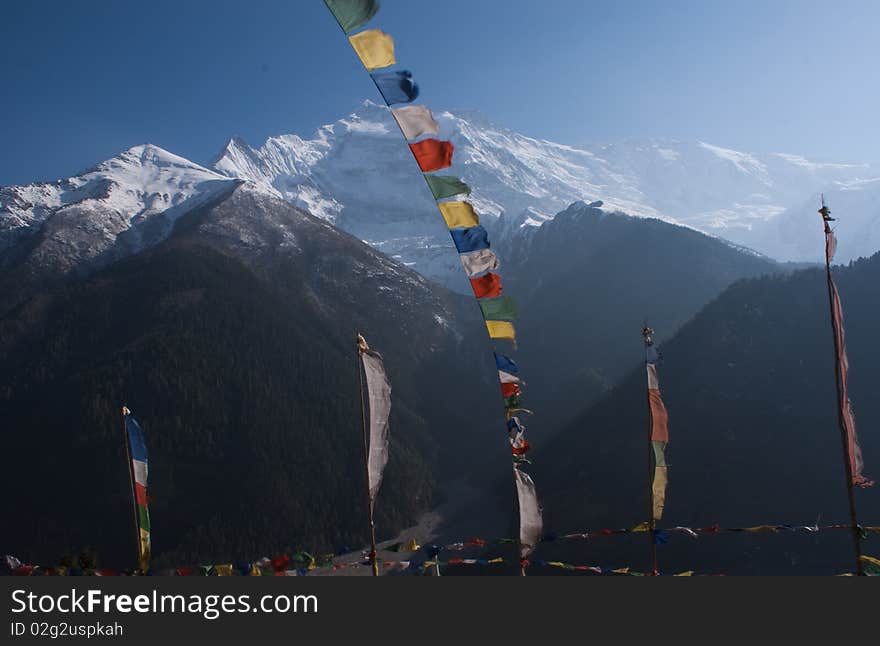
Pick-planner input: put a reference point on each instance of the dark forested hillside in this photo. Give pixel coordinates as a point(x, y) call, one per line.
point(587, 278)
point(749, 385)
point(241, 369)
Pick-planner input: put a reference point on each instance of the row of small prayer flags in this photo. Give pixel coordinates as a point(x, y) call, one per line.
point(693, 532)
point(592, 569)
point(301, 563)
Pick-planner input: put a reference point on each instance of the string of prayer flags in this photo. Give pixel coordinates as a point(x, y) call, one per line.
point(471, 240)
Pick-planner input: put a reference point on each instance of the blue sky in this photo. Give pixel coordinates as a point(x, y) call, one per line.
point(82, 81)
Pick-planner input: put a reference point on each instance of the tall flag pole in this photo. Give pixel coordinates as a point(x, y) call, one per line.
point(852, 452)
point(417, 125)
point(136, 455)
point(658, 438)
point(376, 438)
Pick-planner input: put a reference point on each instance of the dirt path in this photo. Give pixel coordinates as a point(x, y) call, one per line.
point(470, 510)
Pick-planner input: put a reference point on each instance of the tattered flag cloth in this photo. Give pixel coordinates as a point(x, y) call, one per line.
point(139, 470)
point(501, 330)
point(530, 522)
point(506, 364)
point(477, 262)
point(415, 121)
point(379, 392)
point(433, 154)
point(487, 286)
point(396, 87)
point(470, 239)
point(374, 47)
point(443, 186)
point(853, 450)
point(351, 14)
point(503, 309)
point(659, 427)
point(458, 214)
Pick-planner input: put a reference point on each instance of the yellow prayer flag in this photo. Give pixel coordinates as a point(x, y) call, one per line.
point(501, 330)
point(458, 214)
point(374, 47)
point(223, 570)
point(688, 573)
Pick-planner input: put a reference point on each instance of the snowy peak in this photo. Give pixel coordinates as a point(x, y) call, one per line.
point(358, 174)
point(127, 202)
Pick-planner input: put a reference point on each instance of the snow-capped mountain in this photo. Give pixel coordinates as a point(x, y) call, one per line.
point(796, 234)
point(120, 206)
point(358, 174)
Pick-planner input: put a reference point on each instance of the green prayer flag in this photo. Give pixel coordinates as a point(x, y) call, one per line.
point(351, 14)
point(659, 453)
point(143, 518)
point(446, 186)
point(498, 309)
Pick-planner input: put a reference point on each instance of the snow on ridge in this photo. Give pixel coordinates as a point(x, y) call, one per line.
point(113, 198)
point(743, 161)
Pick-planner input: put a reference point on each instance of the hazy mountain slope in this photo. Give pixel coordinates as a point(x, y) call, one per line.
point(749, 385)
point(233, 343)
point(123, 205)
point(586, 281)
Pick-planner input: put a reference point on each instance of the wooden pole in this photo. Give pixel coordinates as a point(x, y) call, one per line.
point(137, 530)
point(646, 334)
point(826, 212)
point(374, 565)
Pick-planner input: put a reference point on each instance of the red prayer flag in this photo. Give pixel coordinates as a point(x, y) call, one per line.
point(509, 390)
point(433, 154)
point(279, 563)
point(140, 492)
point(487, 286)
point(659, 417)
